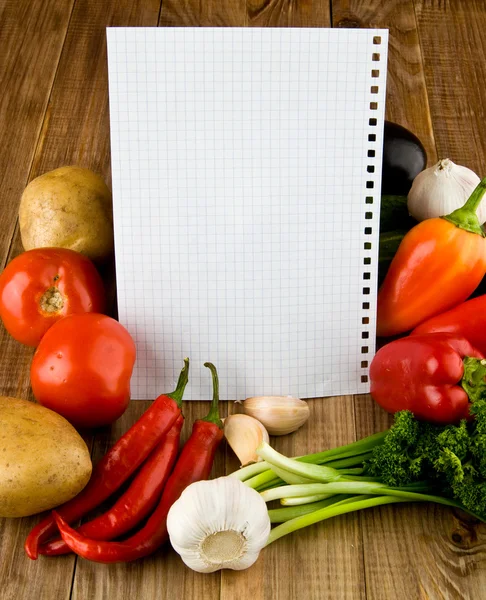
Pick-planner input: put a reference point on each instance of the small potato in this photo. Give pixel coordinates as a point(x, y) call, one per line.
point(69, 207)
point(43, 460)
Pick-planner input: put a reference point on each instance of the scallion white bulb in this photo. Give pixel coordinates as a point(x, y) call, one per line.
point(218, 524)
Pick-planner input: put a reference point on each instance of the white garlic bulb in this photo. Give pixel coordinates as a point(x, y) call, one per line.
point(244, 434)
point(218, 524)
point(441, 189)
point(279, 414)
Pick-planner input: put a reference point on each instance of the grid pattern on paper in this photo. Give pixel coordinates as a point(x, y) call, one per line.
point(246, 171)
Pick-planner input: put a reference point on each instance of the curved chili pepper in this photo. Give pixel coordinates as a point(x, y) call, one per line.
point(434, 375)
point(137, 502)
point(467, 319)
point(439, 263)
point(118, 463)
point(194, 464)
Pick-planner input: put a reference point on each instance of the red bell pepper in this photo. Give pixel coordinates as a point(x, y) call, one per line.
point(467, 319)
point(434, 375)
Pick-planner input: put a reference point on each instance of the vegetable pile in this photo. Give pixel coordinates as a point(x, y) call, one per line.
point(433, 378)
point(412, 462)
point(151, 444)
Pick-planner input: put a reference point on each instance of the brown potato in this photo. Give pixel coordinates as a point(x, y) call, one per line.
point(43, 460)
point(70, 208)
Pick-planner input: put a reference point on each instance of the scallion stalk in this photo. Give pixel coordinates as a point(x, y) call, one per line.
point(335, 487)
point(328, 512)
point(304, 499)
point(280, 515)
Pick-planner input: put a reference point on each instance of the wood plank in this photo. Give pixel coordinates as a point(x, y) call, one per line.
point(210, 13)
point(453, 47)
point(32, 37)
point(406, 99)
point(162, 575)
point(322, 561)
point(408, 550)
point(420, 551)
point(305, 563)
point(78, 133)
point(281, 13)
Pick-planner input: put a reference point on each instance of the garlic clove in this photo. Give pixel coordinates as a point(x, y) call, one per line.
point(244, 434)
point(279, 414)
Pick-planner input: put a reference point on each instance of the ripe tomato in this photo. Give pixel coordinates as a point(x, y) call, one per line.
point(41, 286)
point(82, 368)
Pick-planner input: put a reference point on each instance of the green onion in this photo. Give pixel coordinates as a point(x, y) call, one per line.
point(339, 508)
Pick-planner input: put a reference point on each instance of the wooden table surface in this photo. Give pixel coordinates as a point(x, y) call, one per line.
point(54, 111)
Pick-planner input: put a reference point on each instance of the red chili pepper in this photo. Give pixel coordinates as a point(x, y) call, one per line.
point(468, 320)
point(118, 464)
point(433, 375)
point(438, 265)
point(194, 464)
point(137, 502)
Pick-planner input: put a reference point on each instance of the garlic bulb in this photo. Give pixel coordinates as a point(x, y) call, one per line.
point(279, 414)
point(440, 189)
point(218, 524)
point(244, 434)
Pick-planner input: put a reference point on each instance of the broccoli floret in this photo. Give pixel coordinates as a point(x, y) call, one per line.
point(450, 465)
point(478, 451)
point(393, 460)
point(449, 460)
point(478, 409)
point(471, 493)
point(457, 439)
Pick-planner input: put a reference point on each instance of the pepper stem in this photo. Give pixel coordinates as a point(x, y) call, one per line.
point(465, 217)
point(473, 380)
point(213, 414)
point(178, 393)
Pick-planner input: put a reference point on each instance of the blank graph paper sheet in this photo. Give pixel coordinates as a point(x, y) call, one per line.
point(246, 171)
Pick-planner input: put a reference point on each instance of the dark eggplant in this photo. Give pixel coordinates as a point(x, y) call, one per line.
point(403, 158)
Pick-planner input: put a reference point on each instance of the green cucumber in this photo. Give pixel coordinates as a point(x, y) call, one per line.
point(394, 214)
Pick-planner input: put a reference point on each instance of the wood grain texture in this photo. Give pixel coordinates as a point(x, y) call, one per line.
point(419, 551)
point(406, 549)
point(197, 13)
point(75, 130)
point(406, 97)
point(284, 13)
point(403, 552)
point(31, 38)
point(454, 49)
point(303, 564)
point(323, 561)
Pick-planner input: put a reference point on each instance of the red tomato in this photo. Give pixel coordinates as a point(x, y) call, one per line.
point(82, 368)
point(41, 286)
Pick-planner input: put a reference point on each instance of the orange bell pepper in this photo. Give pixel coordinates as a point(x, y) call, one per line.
point(438, 265)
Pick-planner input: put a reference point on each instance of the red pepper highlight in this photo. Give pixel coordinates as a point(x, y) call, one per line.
point(433, 375)
point(194, 464)
point(118, 463)
point(137, 502)
point(467, 319)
